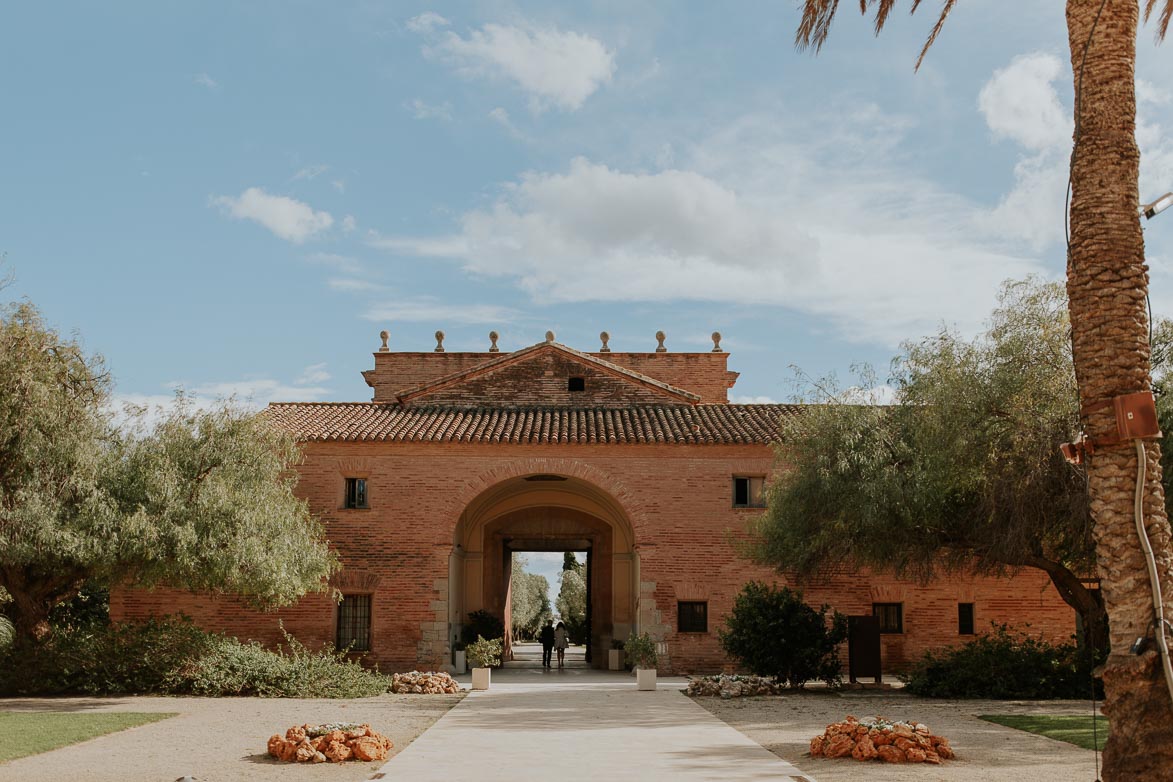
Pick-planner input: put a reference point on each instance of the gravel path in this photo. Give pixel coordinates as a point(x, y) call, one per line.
point(986, 752)
point(216, 739)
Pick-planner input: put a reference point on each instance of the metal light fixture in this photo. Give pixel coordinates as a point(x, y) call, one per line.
point(1156, 207)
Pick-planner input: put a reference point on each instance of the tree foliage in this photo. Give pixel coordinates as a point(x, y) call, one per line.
point(962, 473)
point(202, 500)
point(774, 633)
point(529, 599)
point(571, 601)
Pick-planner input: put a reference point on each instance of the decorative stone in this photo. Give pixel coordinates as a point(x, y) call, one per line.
point(717, 342)
point(424, 683)
point(550, 336)
point(660, 342)
point(384, 335)
point(493, 339)
point(334, 743)
point(439, 342)
point(604, 337)
point(881, 739)
point(889, 754)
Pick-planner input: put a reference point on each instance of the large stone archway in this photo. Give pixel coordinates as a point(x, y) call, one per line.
point(545, 512)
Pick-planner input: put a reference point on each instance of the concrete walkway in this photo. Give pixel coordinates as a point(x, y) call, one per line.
point(583, 725)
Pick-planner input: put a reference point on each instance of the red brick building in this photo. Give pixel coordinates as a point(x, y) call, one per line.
point(638, 459)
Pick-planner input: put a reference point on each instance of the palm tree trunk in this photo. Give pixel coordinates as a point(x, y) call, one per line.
point(1107, 282)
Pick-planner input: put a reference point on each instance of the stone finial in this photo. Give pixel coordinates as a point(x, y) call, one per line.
point(493, 336)
point(384, 335)
point(604, 337)
point(550, 336)
point(439, 342)
point(717, 342)
point(660, 342)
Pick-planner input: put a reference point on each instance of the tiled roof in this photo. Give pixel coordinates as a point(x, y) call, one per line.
point(520, 355)
point(638, 424)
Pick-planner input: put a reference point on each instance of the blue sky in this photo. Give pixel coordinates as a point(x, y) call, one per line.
point(238, 197)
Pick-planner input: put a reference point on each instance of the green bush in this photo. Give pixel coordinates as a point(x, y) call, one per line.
point(1005, 665)
point(481, 624)
point(485, 653)
point(774, 633)
point(641, 651)
point(7, 633)
point(174, 657)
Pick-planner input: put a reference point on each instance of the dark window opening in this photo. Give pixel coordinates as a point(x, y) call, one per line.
point(354, 623)
point(748, 492)
point(356, 492)
point(891, 616)
point(692, 616)
point(576, 384)
point(965, 618)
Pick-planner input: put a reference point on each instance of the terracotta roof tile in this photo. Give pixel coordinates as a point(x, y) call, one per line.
point(675, 424)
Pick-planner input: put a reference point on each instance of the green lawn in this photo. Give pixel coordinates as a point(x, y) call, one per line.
point(31, 732)
point(1073, 730)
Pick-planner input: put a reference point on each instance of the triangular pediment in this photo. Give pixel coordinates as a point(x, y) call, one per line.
point(547, 373)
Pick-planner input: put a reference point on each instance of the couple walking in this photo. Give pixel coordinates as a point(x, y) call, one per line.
point(554, 638)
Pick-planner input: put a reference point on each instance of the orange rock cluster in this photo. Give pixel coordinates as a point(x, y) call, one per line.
point(881, 739)
point(334, 743)
point(424, 683)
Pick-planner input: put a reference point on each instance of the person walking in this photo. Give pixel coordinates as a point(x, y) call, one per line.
point(547, 639)
point(561, 641)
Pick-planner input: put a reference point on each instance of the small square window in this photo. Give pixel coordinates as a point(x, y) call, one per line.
point(356, 492)
point(354, 623)
point(692, 616)
point(576, 384)
point(965, 618)
point(891, 616)
point(749, 491)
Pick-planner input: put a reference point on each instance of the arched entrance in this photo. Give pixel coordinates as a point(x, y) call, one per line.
point(546, 512)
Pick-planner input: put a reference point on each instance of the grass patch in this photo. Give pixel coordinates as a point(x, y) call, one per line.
point(24, 733)
point(1073, 730)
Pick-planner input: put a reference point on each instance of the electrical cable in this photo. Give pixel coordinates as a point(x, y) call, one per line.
point(1151, 565)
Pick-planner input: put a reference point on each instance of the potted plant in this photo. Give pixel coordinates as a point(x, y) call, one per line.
point(641, 653)
point(458, 658)
point(615, 656)
point(483, 655)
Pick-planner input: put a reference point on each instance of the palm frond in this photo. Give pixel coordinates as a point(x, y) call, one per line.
point(816, 23)
point(937, 28)
point(1165, 18)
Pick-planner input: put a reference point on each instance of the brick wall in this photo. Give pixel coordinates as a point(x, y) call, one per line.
point(678, 500)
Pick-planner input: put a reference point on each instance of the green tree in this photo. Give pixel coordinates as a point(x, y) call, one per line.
point(1107, 287)
point(962, 473)
point(202, 500)
point(571, 603)
point(529, 599)
point(570, 561)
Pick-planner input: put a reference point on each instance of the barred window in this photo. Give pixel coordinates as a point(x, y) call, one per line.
point(356, 492)
point(354, 623)
point(692, 616)
point(891, 616)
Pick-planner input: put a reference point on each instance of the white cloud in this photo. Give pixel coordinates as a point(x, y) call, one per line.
point(204, 80)
point(343, 263)
point(314, 373)
point(426, 309)
point(310, 172)
point(354, 285)
point(553, 67)
point(753, 400)
point(1020, 103)
point(339, 185)
point(501, 117)
point(426, 22)
point(287, 218)
point(349, 223)
point(422, 110)
point(875, 395)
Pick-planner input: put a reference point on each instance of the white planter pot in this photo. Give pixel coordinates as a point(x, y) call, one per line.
point(480, 678)
point(459, 662)
point(645, 678)
point(614, 659)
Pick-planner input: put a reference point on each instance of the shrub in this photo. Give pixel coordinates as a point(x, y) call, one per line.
point(641, 651)
point(7, 633)
point(1004, 664)
point(483, 653)
point(174, 657)
point(481, 624)
point(774, 633)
